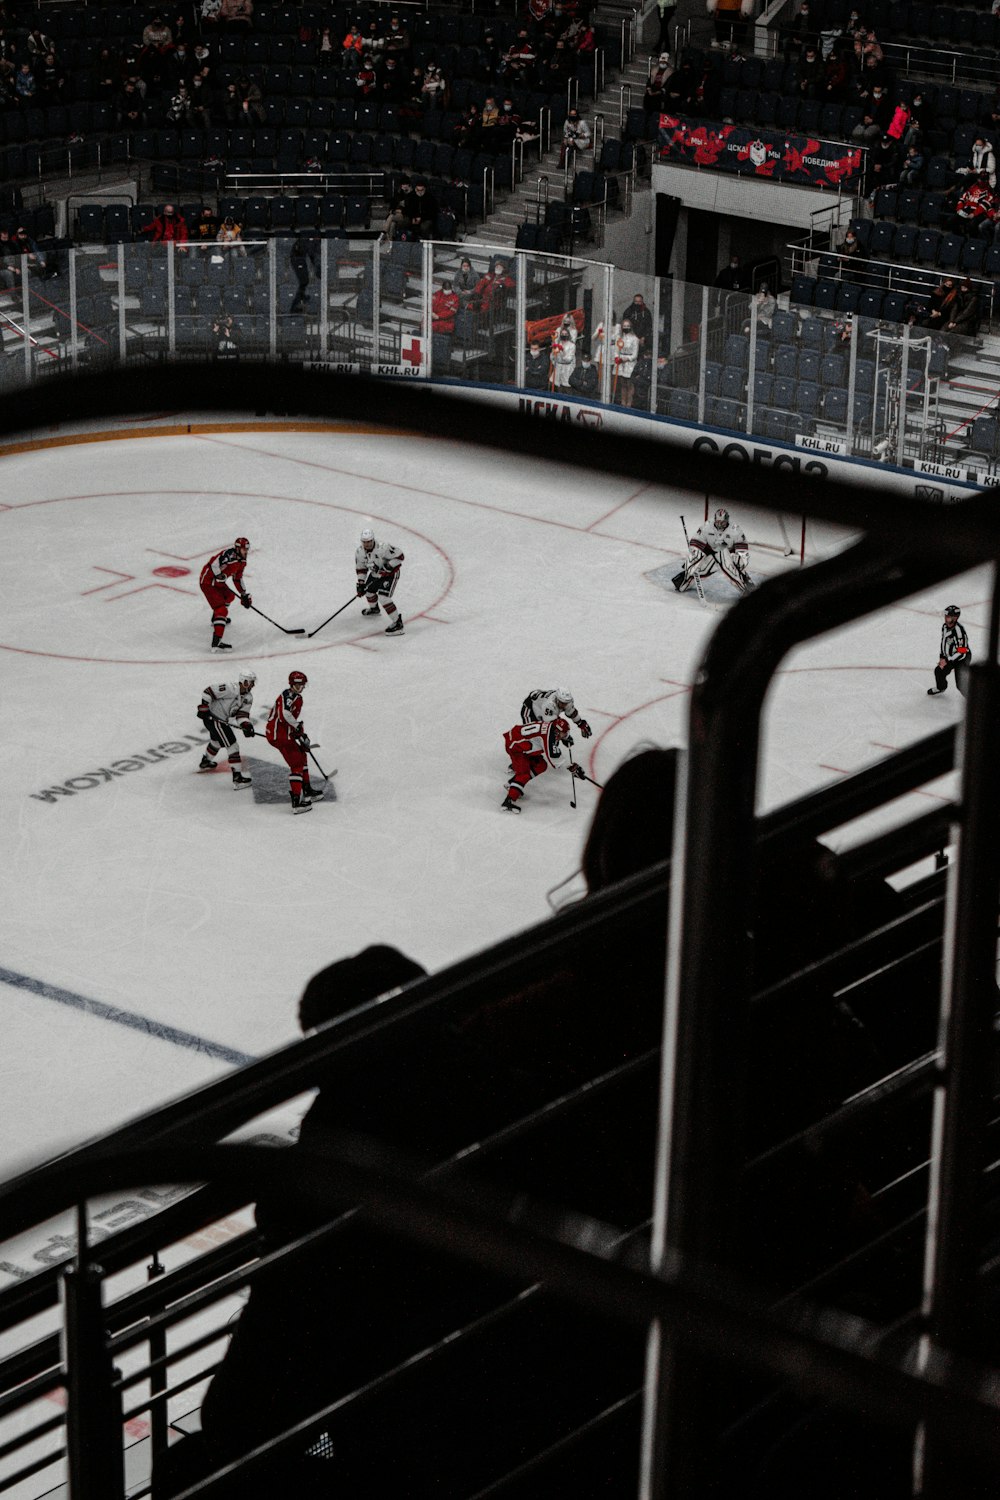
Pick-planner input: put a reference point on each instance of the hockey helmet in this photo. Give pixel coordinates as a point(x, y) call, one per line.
point(560, 729)
point(952, 609)
point(297, 679)
point(242, 544)
point(563, 695)
point(367, 539)
point(721, 519)
point(249, 676)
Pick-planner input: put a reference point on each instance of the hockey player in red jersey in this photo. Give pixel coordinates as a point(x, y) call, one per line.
point(287, 733)
point(532, 749)
point(221, 580)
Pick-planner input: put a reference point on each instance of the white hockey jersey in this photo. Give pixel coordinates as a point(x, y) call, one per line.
point(541, 705)
point(225, 701)
point(733, 539)
point(383, 559)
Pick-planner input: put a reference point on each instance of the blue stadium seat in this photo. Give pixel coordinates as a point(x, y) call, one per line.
point(835, 406)
point(786, 361)
point(864, 376)
point(826, 294)
point(784, 393)
point(833, 369)
point(803, 289)
point(713, 377)
point(848, 296)
point(950, 250)
point(871, 303)
point(733, 383)
point(784, 326)
point(927, 246)
point(736, 351)
point(809, 363)
point(808, 397)
point(985, 433)
point(763, 387)
point(811, 333)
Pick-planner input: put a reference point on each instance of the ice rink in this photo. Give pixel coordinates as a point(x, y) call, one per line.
point(159, 926)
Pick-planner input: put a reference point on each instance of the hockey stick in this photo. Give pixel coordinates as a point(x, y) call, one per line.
point(319, 767)
point(697, 576)
point(336, 612)
point(300, 630)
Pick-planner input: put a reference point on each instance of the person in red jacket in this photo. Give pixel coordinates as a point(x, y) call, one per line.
point(169, 225)
point(221, 580)
point(444, 306)
point(533, 748)
point(287, 733)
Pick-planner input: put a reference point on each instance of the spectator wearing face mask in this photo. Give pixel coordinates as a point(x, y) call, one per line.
point(169, 225)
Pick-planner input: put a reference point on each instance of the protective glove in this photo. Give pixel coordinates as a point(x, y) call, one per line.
point(584, 728)
point(246, 601)
point(577, 771)
point(361, 587)
point(248, 730)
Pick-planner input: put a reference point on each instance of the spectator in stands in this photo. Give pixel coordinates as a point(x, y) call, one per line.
point(666, 10)
point(238, 14)
point(554, 74)
point(489, 118)
point(851, 257)
point(811, 73)
point(435, 91)
point(641, 319)
point(583, 381)
point(492, 56)
point(976, 207)
point(680, 90)
point(180, 110)
point(964, 315)
point(298, 259)
point(642, 381)
point(624, 353)
point(575, 136)
point(412, 104)
point(207, 228)
point(465, 282)
point(169, 225)
point(251, 100)
point(519, 60)
point(201, 98)
point(130, 113)
point(366, 79)
point(374, 41)
point(730, 25)
point(352, 48)
point(983, 161)
point(654, 94)
point(326, 46)
point(563, 353)
point(210, 14)
point(944, 305)
point(400, 216)
point(883, 163)
point(881, 109)
point(391, 80)
point(181, 63)
point(397, 39)
point(224, 333)
point(423, 211)
point(799, 32)
point(506, 125)
point(767, 305)
point(38, 43)
point(731, 278)
point(51, 81)
point(921, 118)
point(491, 289)
point(157, 36)
point(25, 85)
point(444, 306)
point(536, 367)
point(911, 173)
point(231, 233)
point(836, 78)
point(467, 129)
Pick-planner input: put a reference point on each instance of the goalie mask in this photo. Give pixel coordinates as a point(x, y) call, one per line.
point(721, 519)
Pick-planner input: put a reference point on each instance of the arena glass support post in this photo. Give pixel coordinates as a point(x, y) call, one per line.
point(521, 267)
point(158, 1380)
point(702, 353)
point(903, 406)
point(120, 270)
point(26, 318)
point(272, 297)
point(701, 1149)
point(752, 367)
point(654, 391)
point(324, 299)
point(74, 335)
point(963, 1100)
point(93, 1418)
point(171, 300)
point(606, 322)
point(852, 383)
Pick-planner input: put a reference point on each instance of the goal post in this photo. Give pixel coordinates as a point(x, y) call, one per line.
point(770, 530)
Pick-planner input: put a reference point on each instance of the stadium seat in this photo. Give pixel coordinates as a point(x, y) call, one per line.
point(786, 361)
point(809, 364)
point(835, 406)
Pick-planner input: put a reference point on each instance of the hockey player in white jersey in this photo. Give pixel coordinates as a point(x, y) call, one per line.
point(224, 708)
point(543, 704)
point(718, 544)
point(955, 655)
point(377, 565)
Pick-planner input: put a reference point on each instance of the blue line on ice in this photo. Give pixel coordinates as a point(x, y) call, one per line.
point(125, 1018)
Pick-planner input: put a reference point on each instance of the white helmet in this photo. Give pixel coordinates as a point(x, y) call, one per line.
point(248, 675)
point(721, 519)
point(563, 695)
point(367, 535)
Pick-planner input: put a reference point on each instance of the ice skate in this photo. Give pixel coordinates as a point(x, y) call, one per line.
point(240, 780)
point(933, 692)
point(206, 764)
point(372, 610)
point(509, 805)
point(220, 645)
point(314, 793)
point(396, 628)
point(300, 803)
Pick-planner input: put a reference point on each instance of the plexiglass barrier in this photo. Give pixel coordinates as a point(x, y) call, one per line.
point(553, 325)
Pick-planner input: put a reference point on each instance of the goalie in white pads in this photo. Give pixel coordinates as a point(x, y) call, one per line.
point(543, 704)
point(223, 709)
point(717, 544)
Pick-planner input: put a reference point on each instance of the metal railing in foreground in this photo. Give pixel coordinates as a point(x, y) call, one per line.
point(706, 1083)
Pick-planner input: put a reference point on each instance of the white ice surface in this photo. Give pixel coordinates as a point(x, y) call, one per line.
point(171, 897)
